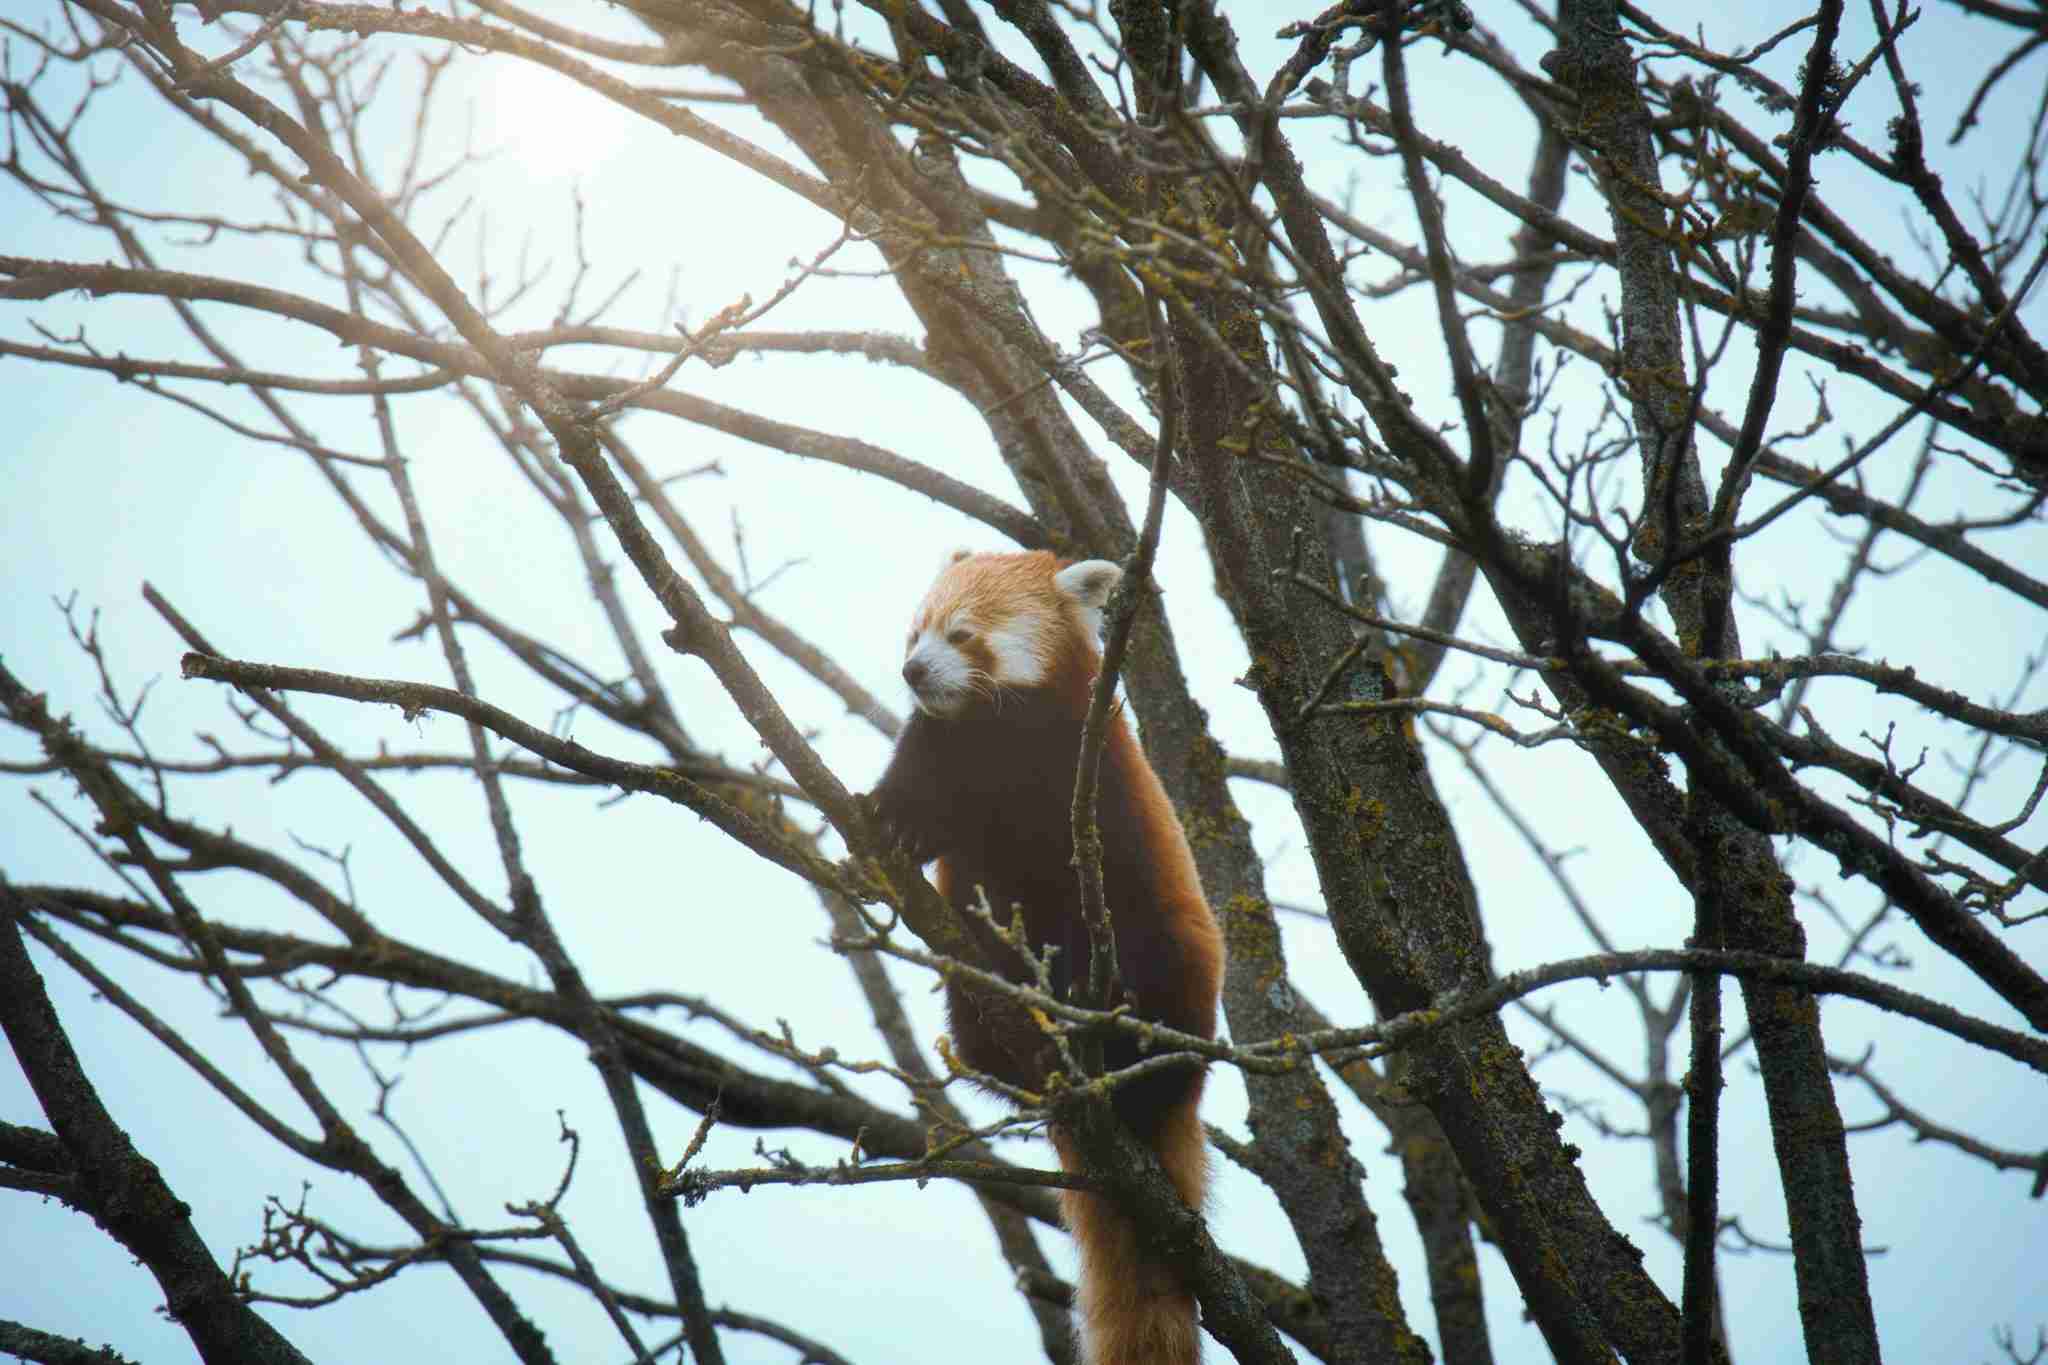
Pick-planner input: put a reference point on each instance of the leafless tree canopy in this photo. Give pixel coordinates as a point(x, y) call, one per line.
point(1632, 468)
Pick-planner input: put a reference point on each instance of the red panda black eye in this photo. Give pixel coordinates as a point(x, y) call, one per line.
point(959, 635)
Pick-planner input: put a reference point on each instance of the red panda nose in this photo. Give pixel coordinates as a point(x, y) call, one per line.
point(915, 672)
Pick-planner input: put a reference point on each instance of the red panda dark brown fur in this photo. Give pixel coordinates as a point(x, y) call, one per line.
point(989, 791)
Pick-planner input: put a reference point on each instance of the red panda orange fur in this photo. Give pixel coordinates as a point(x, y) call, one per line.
point(989, 791)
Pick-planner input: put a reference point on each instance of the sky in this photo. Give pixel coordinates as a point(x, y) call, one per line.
point(113, 488)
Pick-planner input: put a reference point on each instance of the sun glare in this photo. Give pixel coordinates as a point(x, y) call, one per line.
point(545, 123)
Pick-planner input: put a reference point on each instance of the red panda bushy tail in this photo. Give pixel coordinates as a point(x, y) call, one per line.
point(1135, 1311)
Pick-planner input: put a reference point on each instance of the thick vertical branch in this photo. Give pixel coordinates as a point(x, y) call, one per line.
point(1756, 913)
point(1399, 895)
point(1702, 1226)
point(1613, 130)
point(1434, 1189)
point(1403, 917)
point(1701, 1230)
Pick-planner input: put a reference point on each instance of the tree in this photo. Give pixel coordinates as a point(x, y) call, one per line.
point(1562, 406)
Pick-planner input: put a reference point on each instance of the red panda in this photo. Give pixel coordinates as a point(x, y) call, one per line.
point(1002, 659)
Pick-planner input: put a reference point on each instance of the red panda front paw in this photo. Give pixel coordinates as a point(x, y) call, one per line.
point(899, 836)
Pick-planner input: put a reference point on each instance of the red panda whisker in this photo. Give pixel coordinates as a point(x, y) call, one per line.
point(983, 684)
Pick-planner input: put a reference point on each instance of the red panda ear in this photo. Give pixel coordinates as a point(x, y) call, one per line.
point(1088, 583)
point(956, 557)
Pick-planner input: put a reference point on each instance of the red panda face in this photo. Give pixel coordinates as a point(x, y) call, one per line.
point(997, 623)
